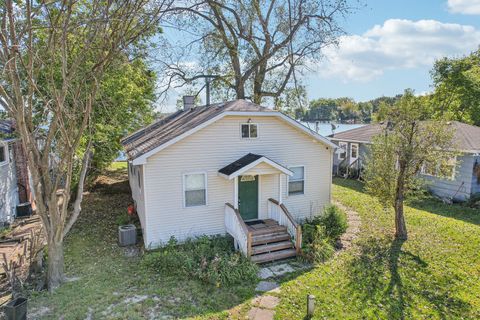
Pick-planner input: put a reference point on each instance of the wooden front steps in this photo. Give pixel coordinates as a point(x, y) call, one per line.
point(270, 241)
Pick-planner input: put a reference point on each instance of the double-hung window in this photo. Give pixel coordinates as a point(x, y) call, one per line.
point(249, 130)
point(195, 189)
point(353, 151)
point(343, 153)
point(3, 154)
point(296, 183)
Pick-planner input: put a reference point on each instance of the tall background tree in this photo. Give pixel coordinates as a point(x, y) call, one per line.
point(457, 88)
point(409, 141)
point(255, 48)
point(54, 56)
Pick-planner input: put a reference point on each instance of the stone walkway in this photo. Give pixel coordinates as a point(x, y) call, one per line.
point(263, 305)
point(354, 222)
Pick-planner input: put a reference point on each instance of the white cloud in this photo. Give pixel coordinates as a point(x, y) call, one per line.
point(464, 6)
point(397, 44)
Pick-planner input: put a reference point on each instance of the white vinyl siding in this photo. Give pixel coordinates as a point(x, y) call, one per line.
point(137, 185)
point(8, 185)
point(216, 146)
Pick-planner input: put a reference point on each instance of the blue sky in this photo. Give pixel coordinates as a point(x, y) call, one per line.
point(391, 45)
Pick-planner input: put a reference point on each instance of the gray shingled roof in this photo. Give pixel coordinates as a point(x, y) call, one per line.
point(239, 164)
point(166, 129)
point(466, 137)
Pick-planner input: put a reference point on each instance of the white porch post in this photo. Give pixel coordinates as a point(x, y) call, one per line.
point(235, 193)
point(280, 188)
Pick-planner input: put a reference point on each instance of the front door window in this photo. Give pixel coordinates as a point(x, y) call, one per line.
point(248, 197)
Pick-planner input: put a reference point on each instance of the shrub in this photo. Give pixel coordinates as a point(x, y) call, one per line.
point(474, 201)
point(335, 222)
point(321, 232)
point(209, 259)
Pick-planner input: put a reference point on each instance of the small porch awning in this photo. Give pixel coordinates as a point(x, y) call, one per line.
point(252, 164)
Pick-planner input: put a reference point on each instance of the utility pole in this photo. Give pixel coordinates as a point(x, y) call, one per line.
point(208, 79)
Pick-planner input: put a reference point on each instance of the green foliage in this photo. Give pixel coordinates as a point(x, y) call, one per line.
point(320, 233)
point(474, 201)
point(409, 141)
point(457, 88)
point(125, 103)
point(209, 259)
point(346, 109)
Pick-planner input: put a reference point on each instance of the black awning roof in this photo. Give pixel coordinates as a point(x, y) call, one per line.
point(239, 164)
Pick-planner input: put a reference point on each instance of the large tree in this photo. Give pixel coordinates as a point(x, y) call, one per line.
point(410, 140)
point(457, 88)
point(53, 57)
point(254, 48)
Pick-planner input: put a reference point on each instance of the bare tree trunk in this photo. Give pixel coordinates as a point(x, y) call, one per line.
point(55, 269)
point(400, 226)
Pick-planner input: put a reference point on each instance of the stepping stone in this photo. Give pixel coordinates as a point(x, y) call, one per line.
point(266, 286)
point(265, 273)
point(281, 269)
point(260, 314)
point(269, 302)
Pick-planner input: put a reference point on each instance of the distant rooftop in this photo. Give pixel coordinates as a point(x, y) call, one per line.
point(466, 136)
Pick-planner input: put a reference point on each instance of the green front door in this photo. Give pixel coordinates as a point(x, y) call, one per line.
point(248, 197)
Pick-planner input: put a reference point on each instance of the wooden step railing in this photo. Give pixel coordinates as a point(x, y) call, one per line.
point(237, 228)
point(279, 213)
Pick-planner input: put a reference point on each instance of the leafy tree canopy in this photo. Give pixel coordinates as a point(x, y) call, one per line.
point(457, 88)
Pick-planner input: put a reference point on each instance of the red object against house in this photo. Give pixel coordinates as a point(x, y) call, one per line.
point(131, 209)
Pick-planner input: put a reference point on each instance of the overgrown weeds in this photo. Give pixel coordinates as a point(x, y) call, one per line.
point(209, 259)
point(321, 232)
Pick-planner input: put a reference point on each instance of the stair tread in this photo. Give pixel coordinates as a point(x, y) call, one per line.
point(271, 247)
point(273, 256)
point(270, 238)
point(269, 230)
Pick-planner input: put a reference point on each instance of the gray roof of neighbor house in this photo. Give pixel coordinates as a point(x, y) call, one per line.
point(466, 136)
point(165, 129)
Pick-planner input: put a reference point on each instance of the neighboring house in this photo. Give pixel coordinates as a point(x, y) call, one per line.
point(459, 185)
point(14, 181)
point(234, 168)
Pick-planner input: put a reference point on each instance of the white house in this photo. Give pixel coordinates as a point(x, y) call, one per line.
point(233, 167)
point(15, 186)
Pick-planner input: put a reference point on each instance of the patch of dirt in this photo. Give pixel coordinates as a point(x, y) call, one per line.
point(113, 182)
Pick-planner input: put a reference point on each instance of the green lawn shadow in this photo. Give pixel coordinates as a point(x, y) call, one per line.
point(383, 274)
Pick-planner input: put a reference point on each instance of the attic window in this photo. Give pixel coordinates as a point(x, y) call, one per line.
point(249, 130)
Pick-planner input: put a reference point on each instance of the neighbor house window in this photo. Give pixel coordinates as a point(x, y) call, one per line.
point(249, 130)
point(195, 189)
point(3, 154)
point(445, 170)
point(296, 183)
point(354, 151)
point(343, 154)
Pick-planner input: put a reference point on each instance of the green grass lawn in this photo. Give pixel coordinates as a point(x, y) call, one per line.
point(433, 275)
point(110, 283)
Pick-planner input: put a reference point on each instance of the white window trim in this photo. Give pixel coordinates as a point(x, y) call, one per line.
point(304, 181)
point(249, 138)
point(6, 154)
point(358, 151)
point(183, 187)
point(345, 147)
